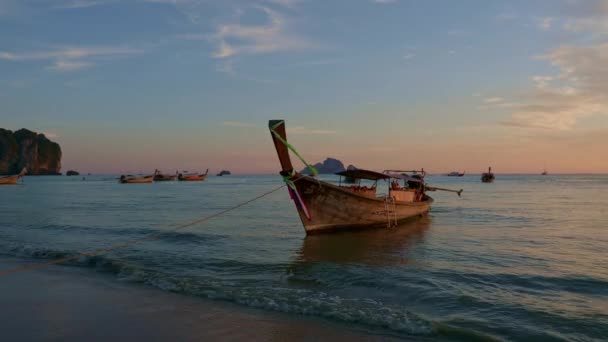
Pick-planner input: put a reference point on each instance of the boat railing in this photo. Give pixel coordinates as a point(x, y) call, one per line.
point(403, 194)
point(361, 190)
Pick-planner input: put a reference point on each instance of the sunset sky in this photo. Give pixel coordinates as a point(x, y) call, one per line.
point(133, 85)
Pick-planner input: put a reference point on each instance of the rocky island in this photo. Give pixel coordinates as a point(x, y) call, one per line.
point(330, 165)
point(24, 148)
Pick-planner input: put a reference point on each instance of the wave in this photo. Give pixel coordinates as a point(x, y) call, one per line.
point(168, 236)
point(368, 312)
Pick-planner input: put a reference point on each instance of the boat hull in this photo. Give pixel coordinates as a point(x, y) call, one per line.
point(137, 180)
point(331, 208)
point(10, 180)
point(193, 178)
point(164, 178)
point(487, 178)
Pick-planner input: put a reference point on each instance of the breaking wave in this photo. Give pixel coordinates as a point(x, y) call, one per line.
point(369, 312)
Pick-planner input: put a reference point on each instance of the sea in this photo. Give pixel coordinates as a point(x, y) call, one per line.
point(522, 259)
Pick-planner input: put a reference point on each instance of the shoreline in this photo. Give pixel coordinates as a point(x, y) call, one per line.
point(69, 303)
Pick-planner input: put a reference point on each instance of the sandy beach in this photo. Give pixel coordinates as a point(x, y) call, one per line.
point(73, 304)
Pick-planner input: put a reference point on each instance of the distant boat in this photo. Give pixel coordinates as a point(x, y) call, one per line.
point(130, 179)
point(224, 173)
point(488, 177)
point(72, 173)
point(12, 179)
point(544, 173)
point(159, 177)
point(193, 177)
point(455, 174)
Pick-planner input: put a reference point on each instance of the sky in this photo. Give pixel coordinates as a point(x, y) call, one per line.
point(134, 85)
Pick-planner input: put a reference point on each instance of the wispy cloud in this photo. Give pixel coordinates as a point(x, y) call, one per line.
point(589, 16)
point(304, 130)
point(74, 4)
point(236, 38)
point(493, 99)
point(285, 3)
point(579, 90)
point(62, 65)
point(70, 58)
point(305, 64)
point(238, 124)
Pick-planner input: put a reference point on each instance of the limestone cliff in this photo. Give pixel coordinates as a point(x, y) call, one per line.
point(25, 148)
point(330, 165)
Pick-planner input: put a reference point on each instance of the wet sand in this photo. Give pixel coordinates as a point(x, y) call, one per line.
point(73, 304)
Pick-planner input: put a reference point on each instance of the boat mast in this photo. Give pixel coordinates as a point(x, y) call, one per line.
point(278, 127)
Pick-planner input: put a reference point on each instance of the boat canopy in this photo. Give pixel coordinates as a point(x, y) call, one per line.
point(373, 175)
point(363, 174)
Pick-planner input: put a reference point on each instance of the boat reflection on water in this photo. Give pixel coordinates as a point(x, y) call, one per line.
point(373, 247)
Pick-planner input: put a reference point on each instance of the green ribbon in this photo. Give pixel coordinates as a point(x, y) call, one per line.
point(288, 181)
point(292, 149)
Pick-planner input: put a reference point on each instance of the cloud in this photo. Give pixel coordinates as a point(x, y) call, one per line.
point(69, 65)
point(579, 90)
point(409, 56)
point(285, 3)
point(70, 58)
point(75, 4)
point(238, 124)
point(589, 16)
point(237, 39)
point(304, 130)
point(493, 99)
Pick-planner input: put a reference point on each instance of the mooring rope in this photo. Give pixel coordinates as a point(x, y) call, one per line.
point(137, 241)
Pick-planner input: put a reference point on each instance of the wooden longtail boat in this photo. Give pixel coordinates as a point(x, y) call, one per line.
point(325, 207)
point(487, 177)
point(159, 177)
point(12, 179)
point(130, 179)
point(193, 177)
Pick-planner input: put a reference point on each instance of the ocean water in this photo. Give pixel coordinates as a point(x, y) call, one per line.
point(524, 258)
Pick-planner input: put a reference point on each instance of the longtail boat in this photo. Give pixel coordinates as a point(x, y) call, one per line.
point(487, 177)
point(130, 179)
point(325, 207)
point(159, 177)
point(193, 177)
point(12, 179)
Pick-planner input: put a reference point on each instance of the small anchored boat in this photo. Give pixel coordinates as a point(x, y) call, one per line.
point(455, 174)
point(12, 179)
point(130, 179)
point(488, 177)
point(193, 177)
point(159, 177)
point(325, 207)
